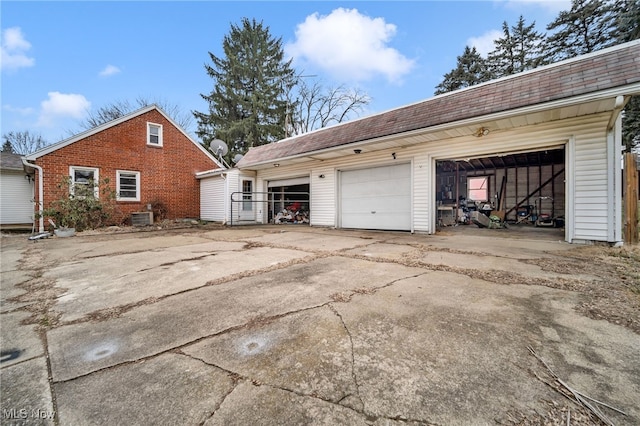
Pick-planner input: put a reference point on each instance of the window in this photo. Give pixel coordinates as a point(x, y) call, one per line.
point(154, 134)
point(83, 176)
point(478, 188)
point(128, 185)
point(247, 196)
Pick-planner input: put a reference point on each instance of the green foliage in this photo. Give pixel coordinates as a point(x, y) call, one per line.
point(77, 205)
point(471, 69)
point(627, 19)
point(248, 105)
point(631, 124)
point(520, 49)
point(590, 25)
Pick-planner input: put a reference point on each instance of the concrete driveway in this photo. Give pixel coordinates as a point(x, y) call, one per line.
point(298, 325)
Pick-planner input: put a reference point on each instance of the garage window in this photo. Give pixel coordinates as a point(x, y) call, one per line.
point(478, 188)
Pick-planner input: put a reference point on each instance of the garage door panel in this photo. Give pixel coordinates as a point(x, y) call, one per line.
point(376, 198)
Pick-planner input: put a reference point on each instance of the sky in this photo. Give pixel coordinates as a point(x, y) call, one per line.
point(62, 59)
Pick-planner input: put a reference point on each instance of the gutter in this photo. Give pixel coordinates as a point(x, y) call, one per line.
point(40, 191)
point(618, 106)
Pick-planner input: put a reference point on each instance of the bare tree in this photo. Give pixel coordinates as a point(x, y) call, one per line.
point(23, 142)
point(121, 108)
point(317, 107)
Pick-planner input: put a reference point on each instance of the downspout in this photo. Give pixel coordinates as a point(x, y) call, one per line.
point(40, 194)
point(223, 175)
point(614, 149)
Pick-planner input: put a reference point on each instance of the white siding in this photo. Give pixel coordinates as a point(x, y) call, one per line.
point(212, 199)
point(588, 215)
point(323, 197)
point(16, 194)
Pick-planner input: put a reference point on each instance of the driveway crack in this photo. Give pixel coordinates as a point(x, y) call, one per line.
point(353, 360)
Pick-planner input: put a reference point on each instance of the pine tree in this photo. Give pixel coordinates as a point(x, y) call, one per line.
point(471, 69)
point(590, 25)
point(627, 19)
point(628, 22)
point(247, 106)
point(519, 50)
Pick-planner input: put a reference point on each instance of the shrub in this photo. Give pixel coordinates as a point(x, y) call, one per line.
point(77, 206)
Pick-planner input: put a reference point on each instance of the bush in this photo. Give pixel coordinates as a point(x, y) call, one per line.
point(77, 206)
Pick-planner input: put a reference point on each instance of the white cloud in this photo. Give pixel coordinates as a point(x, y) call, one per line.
point(484, 44)
point(17, 110)
point(14, 48)
point(109, 71)
point(349, 45)
point(62, 105)
point(551, 6)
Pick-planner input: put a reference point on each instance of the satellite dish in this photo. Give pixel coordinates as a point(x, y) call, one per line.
point(219, 147)
point(237, 158)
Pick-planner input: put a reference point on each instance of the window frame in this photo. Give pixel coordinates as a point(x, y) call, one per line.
point(118, 177)
point(487, 180)
point(151, 125)
point(96, 179)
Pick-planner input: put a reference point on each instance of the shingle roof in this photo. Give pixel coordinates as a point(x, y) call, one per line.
point(606, 69)
point(11, 161)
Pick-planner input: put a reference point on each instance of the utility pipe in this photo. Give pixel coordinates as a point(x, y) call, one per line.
point(40, 190)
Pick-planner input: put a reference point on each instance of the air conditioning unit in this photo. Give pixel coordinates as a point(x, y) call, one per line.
point(141, 218)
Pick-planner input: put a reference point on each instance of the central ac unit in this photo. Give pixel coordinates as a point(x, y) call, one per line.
point(141, 218)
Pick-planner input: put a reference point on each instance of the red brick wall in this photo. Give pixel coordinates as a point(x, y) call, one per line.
point(167, 173)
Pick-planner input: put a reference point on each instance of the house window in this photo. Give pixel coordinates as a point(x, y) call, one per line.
point(478, 188)
point(154, 134)
point(128, 184)
point(247, 195)
point(81, 177)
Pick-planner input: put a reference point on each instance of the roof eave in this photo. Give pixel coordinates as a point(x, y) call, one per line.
point(559, 103)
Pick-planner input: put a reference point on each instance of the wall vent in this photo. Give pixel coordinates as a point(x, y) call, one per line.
point(141, 218)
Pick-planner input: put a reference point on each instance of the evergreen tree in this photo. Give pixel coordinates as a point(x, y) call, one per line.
point(628, 22)
point(627, 19)
point(248, 105)
point(631, 124)
point(519, 50)
point(590, 25)
point(7, 147)
point(471, 69)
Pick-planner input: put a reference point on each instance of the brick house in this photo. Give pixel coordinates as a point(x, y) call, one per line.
point(146, 156)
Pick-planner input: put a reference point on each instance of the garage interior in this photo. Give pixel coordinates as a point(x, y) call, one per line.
point(524, 189)
point(288, 201)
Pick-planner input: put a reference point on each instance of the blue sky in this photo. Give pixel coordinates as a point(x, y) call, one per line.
point(62, 59)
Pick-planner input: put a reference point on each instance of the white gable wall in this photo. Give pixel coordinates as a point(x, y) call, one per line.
point(587, 172)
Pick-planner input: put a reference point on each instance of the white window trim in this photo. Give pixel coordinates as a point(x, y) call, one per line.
point(118, 197)
point(96, 178)
point(486, 190)
point(159, 144)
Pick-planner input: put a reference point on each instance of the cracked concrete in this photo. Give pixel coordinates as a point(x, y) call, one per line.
point(303, 326)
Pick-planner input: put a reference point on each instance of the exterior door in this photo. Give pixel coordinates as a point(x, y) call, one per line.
point(376, 198)
point(247, 206)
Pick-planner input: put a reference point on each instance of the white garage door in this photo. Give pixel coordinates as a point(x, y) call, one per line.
point(376, 198)
point(16, 193)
